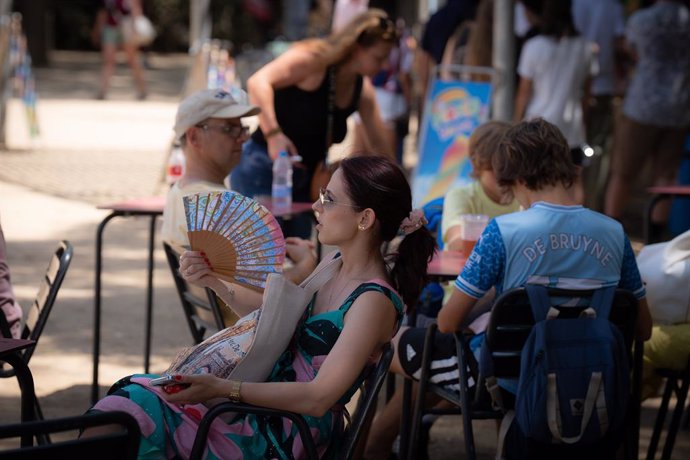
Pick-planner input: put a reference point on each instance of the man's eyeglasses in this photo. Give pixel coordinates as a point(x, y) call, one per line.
point(328, 202)
point(233, 131)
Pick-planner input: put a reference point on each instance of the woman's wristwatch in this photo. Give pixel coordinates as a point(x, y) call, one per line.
point(234, 394)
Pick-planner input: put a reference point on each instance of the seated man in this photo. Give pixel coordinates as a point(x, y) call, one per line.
point(209, 128)
point(555, 241)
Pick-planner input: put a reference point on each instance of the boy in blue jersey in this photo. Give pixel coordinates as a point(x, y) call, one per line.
point(554, 242)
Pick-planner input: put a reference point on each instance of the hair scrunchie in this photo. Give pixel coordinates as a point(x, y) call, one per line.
point(413, 222)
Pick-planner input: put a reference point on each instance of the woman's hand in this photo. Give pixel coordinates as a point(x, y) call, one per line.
point(196, 268)
point(303, 257)
point(279, 142)
point(202, 388)
point(300, 250)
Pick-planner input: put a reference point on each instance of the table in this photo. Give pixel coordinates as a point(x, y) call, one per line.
point(661, 193)
point(148, 206)
point(151, 207)
point(446, 265)
point(9, 352)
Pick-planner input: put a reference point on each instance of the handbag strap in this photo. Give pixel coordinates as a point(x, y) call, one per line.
point(323, 272)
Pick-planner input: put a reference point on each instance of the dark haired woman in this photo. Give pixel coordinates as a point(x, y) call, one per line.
point(368, 201)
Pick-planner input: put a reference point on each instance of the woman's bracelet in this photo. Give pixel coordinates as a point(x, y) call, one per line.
point(234, 395)
point(273, 132)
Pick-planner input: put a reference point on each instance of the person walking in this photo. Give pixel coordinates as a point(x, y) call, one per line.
point(111, 32)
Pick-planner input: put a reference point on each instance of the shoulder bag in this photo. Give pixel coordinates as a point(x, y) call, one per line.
point(249, 349)
point(323, 172)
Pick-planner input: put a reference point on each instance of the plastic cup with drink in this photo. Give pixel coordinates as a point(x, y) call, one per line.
point(472, 226)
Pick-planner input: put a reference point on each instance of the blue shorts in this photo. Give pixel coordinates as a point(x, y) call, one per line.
point(111, 35)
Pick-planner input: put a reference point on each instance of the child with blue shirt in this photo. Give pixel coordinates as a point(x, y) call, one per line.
point(555, 242)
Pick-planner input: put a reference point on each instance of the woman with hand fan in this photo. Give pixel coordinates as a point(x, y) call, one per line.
point(366, 203)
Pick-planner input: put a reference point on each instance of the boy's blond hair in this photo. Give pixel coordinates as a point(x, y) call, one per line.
point(484, 143)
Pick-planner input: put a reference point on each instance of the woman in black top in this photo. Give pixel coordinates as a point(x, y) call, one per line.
point(306, 95)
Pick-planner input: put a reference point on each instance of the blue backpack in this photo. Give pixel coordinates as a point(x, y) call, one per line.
point(574, 384)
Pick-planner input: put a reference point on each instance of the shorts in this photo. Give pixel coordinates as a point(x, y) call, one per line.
point(444, 361)
point(111, 35)
point(636, 142)
point(444, 365)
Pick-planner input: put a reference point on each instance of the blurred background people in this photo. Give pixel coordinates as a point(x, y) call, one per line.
point(555, 69)
point(110, 31)
point(393, 89)
point(437, 31)
point(603, 23)
point(655, 117)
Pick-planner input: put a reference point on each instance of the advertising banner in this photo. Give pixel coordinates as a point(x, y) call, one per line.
point(453, 110)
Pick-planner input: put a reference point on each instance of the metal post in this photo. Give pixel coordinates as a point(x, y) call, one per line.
point(503, 60)
point(199, 24)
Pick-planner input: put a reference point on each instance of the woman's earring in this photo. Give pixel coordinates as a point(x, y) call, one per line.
point(361, 227)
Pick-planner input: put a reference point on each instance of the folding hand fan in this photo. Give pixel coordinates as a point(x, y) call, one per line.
point(240, 237)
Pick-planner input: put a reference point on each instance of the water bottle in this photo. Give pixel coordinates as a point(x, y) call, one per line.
point(281, 192)
point(176, 163)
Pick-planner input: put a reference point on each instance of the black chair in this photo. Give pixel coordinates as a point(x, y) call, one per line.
point(509, 326)
point(37, 315)
point(677, 383)
point(119, 445)
point(201, 307)
point(354, 437)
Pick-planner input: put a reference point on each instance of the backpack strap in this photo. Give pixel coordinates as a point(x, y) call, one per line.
point(602, 301)
point(539, 300)
point(506, 422)
point(595, 399)
point(486, 369)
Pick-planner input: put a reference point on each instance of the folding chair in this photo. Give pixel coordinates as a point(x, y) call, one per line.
point(201, 307)
point(40, 310)
point(509, 326)
point(677, 383)
point(119, 445)
point(354, 437)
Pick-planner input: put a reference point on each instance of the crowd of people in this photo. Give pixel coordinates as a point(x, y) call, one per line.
point(530, 179)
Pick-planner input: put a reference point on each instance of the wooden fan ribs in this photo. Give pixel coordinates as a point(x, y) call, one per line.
point(241, 239)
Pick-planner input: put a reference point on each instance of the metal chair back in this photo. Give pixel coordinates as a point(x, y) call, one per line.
point(352, 442)
point(201, 308)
